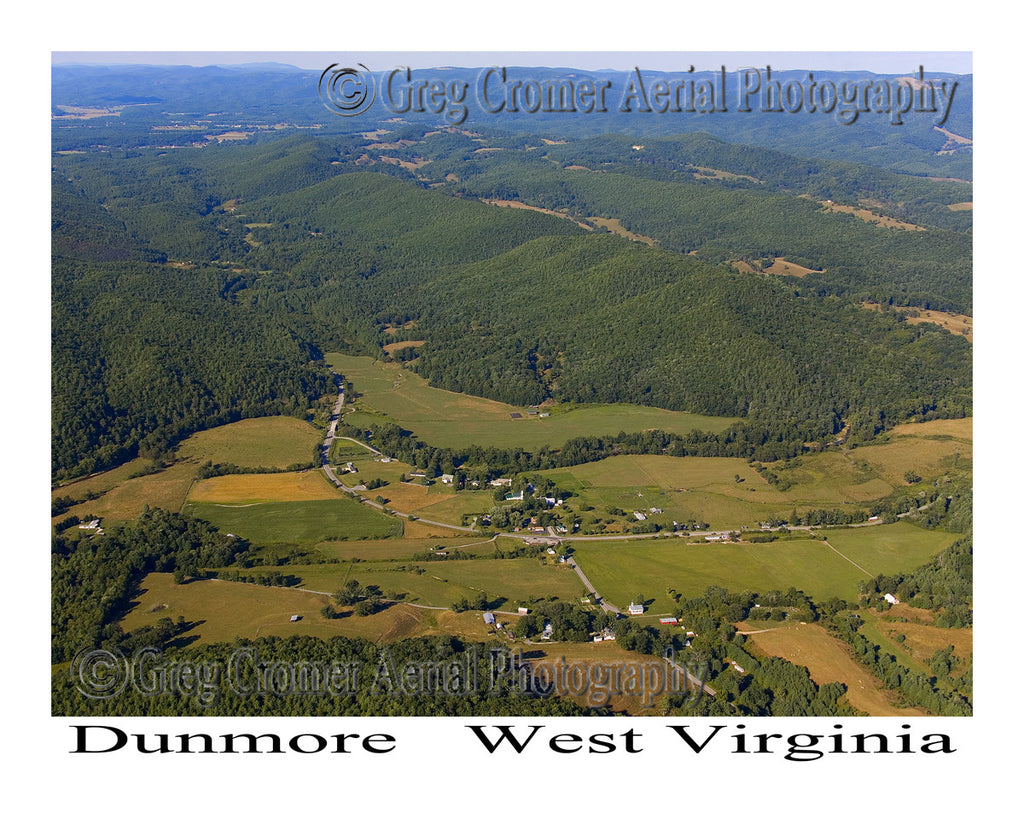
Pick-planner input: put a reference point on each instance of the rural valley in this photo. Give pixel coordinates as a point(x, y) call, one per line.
point(330, 390)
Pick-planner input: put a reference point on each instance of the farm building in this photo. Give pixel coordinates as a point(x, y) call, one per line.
point(295, 618)
point(890, 598)
point(636, 608)
point(489, 618)
point(640, 516)
point(447, 478)
point(667, 621)
point(523, 610)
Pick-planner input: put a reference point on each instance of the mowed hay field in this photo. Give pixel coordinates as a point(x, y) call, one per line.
point(400, 549)
point(620, 570)
point(828, 660)
point(447, 419)
point(280, 486)
point(222, 611)
point(298, 522)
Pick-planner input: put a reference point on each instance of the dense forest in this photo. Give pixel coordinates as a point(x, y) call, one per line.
point(196, 287)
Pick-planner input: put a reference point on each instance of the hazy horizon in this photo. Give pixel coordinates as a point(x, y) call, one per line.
point(879, 62)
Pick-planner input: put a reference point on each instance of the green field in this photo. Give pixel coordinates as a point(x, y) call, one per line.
point(444, 582)
point(728, 493)
point(699, 489)
point(621, 570)
point(276, 442)
point(299, 522)
point(386, 391)
point(899, 547)
point(400, 548)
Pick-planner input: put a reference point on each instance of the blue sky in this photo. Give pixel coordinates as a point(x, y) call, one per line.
point(882, 62)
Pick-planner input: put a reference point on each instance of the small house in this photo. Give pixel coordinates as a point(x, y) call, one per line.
point(636, 608)
point(891, 599)
point(489, 618)
point(447, 478)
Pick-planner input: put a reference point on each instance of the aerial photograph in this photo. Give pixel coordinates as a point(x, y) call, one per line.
point(511, 384)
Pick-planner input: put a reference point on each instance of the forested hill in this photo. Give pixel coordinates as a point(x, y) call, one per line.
point(233, 266)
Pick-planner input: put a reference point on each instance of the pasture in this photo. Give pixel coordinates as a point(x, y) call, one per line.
point(386, 391)
point(897, 547)
point(276, 442)
point(780, 267)
point(921, 638)
point(224, 610)
point(728, 493)
point(925, 456)
point(827, 659)
point(621, 570)
point(707, 489)
point(957, 323)
point(442, 583)
point(166, 489)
